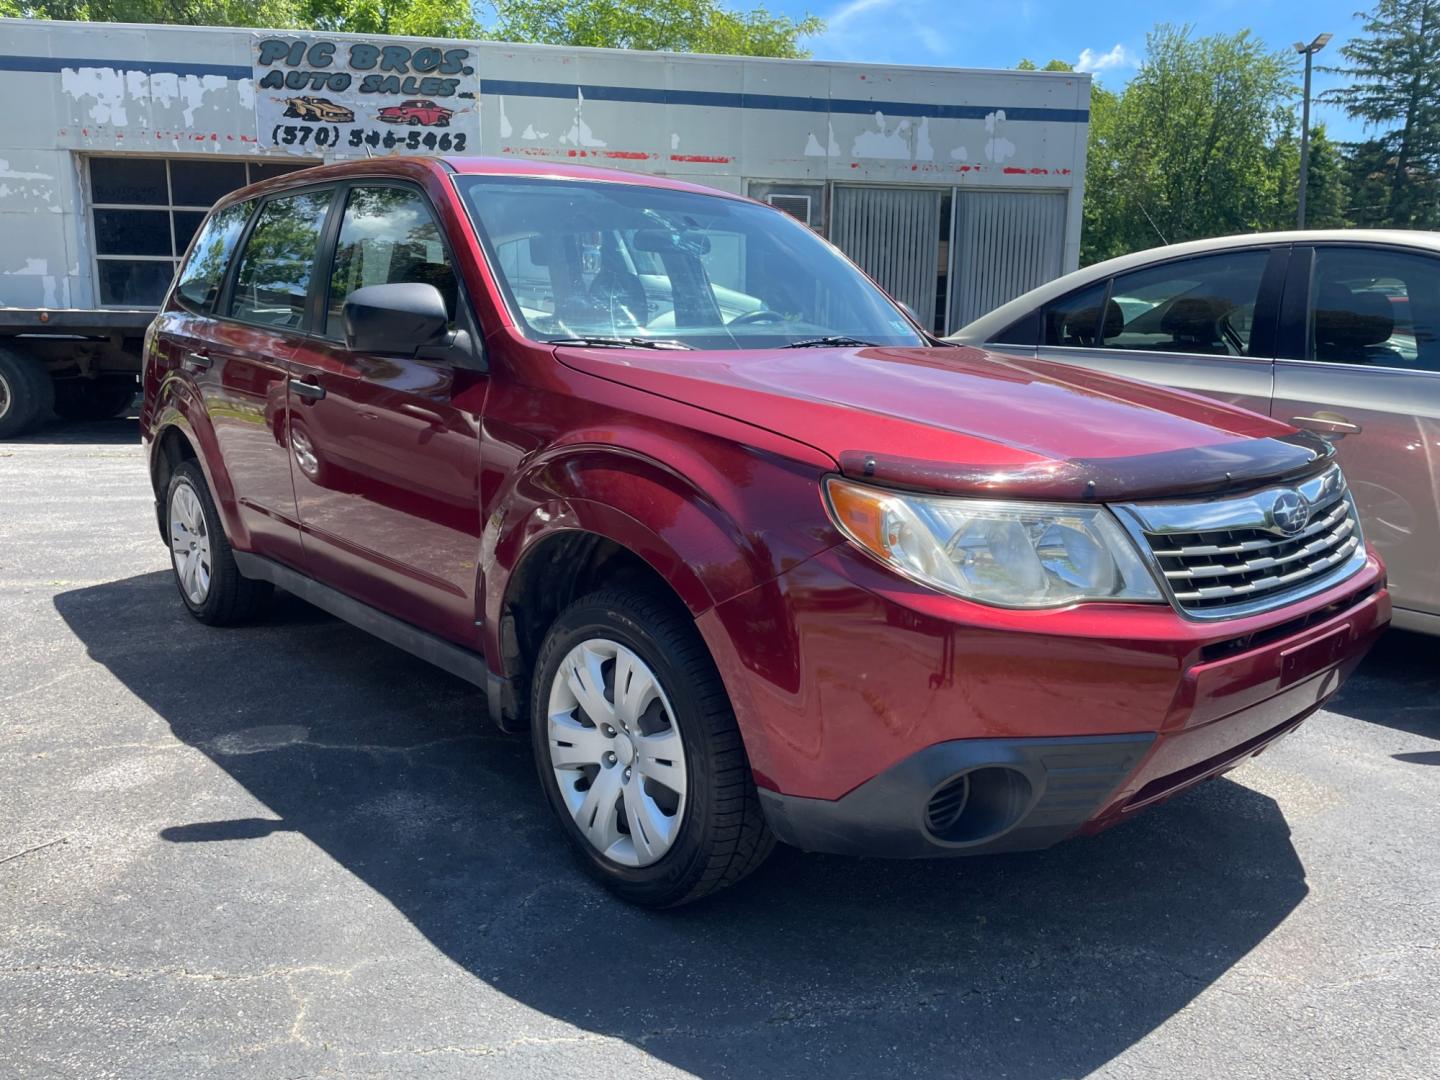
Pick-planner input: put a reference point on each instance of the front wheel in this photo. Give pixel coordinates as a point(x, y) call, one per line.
point(639, 753)
point(209, 581)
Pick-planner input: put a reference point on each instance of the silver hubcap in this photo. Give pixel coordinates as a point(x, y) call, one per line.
point(616, 752)
point(304, 453)
point(190, 544)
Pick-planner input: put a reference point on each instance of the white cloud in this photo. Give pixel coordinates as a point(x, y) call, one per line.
point(883, 31)
point(849, 12)
point(1117, 57)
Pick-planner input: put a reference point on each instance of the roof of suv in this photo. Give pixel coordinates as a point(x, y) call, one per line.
point(509, 166)
point(414, 165)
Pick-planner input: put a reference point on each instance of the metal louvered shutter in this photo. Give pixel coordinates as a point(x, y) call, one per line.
point(1006, 243)
point(894, 234)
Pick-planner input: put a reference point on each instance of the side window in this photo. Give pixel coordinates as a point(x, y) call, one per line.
point(272, 282)
point(1375, 307)
point(387, 235)
point(1202, 306)
point(199, 280)
point(1074, 320)
point(1022, 332)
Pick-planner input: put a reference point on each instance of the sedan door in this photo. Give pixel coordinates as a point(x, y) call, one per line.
point(1204, 323)
point(1360, 365)
point(386, 449)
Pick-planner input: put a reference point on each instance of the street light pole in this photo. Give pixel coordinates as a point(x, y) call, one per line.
point(1309, 52)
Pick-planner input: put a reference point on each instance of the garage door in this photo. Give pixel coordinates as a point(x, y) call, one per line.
point(894, 234)
point(1006, 243)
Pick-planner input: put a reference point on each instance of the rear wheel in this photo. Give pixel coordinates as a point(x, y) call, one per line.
point(639, 753)
point(210, 583)
point(26, 392)
point(95, 399)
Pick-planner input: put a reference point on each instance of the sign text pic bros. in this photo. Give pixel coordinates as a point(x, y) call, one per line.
point(348, 98)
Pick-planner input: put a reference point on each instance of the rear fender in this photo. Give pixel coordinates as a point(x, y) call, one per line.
point(178, 405)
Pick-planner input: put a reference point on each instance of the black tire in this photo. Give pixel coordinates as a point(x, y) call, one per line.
point(723, 835)
point(102, 398)
point(26, 393)
point(231, 598)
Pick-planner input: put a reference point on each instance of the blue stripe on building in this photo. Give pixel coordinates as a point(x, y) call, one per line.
point(629, 94)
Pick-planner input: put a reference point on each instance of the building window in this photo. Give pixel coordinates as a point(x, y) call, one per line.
point(144, 211)
point(804, 202)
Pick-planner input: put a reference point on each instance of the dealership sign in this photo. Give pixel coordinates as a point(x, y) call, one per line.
point(318, 96)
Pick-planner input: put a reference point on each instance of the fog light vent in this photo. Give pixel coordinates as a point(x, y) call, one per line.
point(978, 805)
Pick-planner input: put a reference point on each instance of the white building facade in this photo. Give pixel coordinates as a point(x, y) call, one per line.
point(956, 189)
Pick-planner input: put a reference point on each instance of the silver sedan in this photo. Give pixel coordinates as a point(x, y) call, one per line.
point(1337, 332)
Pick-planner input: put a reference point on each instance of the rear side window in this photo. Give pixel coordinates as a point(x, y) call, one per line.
point(272, 281)
point(386, 236)
point(1380, 308)
point(1202, 306)
point(1074, 320)
point(200, 278)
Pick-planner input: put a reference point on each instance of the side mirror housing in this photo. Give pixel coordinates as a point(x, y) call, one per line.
point(395, 319)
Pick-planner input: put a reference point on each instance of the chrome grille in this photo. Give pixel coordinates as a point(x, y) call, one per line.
point(1231, 556)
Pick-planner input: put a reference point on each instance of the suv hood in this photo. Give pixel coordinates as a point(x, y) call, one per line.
point(964, 420)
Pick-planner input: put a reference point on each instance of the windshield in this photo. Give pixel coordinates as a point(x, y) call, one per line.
point(581, 259)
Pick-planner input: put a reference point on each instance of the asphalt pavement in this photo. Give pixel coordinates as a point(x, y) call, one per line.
point(290, 850)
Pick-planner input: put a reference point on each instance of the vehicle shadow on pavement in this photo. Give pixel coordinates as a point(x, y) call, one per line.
point(120, 431)
point(1038, 965)
point(1398, 686)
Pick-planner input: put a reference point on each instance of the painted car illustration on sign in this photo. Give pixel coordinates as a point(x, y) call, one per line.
point(417, 111)
point(318, 109)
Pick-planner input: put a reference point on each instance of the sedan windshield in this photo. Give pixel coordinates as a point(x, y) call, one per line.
point(582, 260)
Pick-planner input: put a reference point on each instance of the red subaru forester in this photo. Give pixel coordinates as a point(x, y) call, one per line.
point(750, 555)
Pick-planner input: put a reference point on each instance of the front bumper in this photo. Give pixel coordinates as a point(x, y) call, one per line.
point(1065, 722)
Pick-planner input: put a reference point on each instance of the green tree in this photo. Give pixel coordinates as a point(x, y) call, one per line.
point(1326, 189)
point(280, 14)
point(1394, 66)
point(703, 26)
point(676, 25)
point(1187, 150)
point(415, 18)
point(1052, 65)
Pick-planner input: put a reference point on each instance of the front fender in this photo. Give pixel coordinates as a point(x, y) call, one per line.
point(713, 522)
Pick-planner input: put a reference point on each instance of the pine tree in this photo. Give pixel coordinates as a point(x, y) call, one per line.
point(1394, 66)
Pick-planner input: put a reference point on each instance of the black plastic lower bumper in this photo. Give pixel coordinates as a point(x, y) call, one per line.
point(1035, 792)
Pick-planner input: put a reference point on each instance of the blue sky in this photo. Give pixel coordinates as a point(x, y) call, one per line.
point(1106, 38)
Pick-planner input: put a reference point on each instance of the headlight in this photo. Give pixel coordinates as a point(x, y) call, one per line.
point(1012, 554)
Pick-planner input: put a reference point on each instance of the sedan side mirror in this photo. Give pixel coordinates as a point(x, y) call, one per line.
point(395, 319)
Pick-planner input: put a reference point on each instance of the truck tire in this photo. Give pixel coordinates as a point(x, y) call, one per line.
point(95, 399)
point(639, 753)
point(26, 392)
point(209, 581)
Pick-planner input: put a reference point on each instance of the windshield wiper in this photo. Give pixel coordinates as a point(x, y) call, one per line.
point(621, 342)
point(831, 341)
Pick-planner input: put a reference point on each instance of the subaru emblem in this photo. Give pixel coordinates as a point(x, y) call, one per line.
point(1289, 513)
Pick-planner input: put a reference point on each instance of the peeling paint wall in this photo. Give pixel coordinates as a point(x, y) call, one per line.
point(78, 88)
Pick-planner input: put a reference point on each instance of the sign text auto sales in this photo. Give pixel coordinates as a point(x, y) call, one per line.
point(317, 96)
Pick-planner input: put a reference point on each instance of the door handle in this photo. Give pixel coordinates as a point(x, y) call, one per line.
point(1327, 423)
point(196, 361)
point(308, 390)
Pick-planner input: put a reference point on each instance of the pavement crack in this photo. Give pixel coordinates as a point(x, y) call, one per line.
point(182, 972)
point(37, 847)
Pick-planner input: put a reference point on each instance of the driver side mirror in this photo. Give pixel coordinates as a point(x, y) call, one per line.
point(395, 319)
